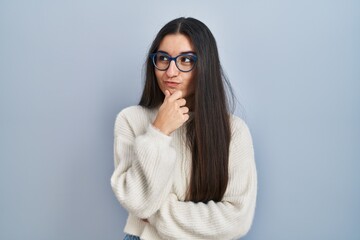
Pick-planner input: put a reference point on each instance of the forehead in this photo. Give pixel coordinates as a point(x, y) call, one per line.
point(175, 44)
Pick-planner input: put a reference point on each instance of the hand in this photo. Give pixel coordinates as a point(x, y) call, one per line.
point(172, 113)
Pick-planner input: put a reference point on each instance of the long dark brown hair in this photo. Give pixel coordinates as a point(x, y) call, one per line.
point(208, 132)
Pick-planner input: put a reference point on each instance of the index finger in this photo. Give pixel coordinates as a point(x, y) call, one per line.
point(167, 93)
point(176, 95)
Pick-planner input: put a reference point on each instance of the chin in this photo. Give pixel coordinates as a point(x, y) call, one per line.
point(171, 90)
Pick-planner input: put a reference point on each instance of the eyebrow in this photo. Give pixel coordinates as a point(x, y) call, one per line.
point(186, 52)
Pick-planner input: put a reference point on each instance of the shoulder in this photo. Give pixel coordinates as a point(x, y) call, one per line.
point(238, 126)
point(133, 111)
point(134, 117)
point(241, 143)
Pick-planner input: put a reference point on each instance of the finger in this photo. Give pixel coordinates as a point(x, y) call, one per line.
point(186, 117)
point(181, 102)
point(184, 110)
point(176, 95)
point(167, 93)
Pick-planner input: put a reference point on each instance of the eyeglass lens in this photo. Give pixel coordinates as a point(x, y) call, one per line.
point(184, 62)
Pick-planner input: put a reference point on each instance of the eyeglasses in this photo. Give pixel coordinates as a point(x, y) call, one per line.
point(184, 62)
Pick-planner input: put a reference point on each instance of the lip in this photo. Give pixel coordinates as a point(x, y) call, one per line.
point(171, 84)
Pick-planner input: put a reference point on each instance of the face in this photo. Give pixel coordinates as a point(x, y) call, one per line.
point(173, 79)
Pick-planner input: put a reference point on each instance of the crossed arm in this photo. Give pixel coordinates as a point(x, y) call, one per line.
point(143, 179)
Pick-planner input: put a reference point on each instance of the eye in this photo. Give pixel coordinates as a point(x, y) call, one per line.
point(187, 59)
point(162, 57)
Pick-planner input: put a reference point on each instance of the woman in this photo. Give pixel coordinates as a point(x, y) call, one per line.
point(184, 166)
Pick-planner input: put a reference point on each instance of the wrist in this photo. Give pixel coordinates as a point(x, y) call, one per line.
point(160, 129)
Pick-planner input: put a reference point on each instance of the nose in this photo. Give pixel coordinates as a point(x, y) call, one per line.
point(172, 71)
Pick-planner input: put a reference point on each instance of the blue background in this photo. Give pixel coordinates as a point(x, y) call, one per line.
point(68, 67)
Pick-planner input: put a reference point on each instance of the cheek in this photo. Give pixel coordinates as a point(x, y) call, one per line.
point(158, 76)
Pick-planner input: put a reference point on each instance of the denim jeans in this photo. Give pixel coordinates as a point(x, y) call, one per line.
point(131, 237)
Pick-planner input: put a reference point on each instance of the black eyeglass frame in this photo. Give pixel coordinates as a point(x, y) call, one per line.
point(153, 55)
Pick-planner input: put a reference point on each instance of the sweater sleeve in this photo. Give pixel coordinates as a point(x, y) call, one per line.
point(143, 168)
point(228, 219)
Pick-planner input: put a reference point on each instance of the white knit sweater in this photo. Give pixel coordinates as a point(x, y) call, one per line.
point(152, 173)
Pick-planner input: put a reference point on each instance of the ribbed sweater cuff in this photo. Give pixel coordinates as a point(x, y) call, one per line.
point(156, 133)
